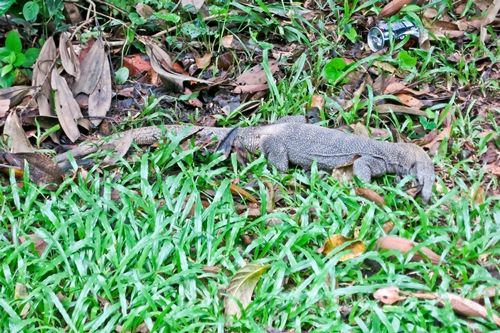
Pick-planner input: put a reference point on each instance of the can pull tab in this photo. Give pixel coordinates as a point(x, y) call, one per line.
point(381, 34)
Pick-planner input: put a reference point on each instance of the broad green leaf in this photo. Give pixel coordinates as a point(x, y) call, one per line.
point(5, 5)
point(31, 56)
point(334, 69)
point(20, 59)
point(168, 17)
point(13, 41)
point(4, 52)
point(241, 288)
point(30, 11)
point(121, 75)
point(6, 69)
point(406, 60)
point(7, 80)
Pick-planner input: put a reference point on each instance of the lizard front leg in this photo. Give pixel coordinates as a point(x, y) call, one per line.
point(367, 167)
point(275, 152)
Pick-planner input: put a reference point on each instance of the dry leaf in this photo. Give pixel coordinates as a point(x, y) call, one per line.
point(235, 189)
point(39, 243)
point(389, 108)
point(256, 75)
point(356, 248)
point(67, 109)
point(241, 288)
point(388, 226)
point(490, 16)
point(360, 129)
point(410, 101)
point(18, 140)
point(121, 146)
point(204, 62)
point(388, 295)
point(227, 41)
point(468, 308)
point(4, 107)
point(394, 87)
point(14, 94)
point(445, 133)
point(41, 75)
point(393, 7)
point(136, 64)
point(370, 195)
point(318, 102)
point(20, 291)
point(493, 169)
point(144, 10)
point(405, 245)
point(69, 59)
point(211, 269)
point(193, 6)
point(91, 69)
point(252, 88)
point(162, 64)
point(43, 170)
point(100, 98)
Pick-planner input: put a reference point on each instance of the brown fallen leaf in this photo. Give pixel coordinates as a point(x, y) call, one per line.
point(405, 245)
point(493, 169)
point(241, 287)
point(100, 98)
point(163, 65)
point(235, 189)
point(250, 88)
point(445, 133)
point(388, 226)
point(394, 88)
point(137, 64)
point(393, 7)
point(4, 107)
point(121, 146)
point(467, 307)
point(14, 95)
point(40, 244)
point(204, 62)
point(356, 248)
point(389, 108)
point(20, 291)
point(67, 109)
point(43, 170)
point(211, 269)
point(91, 69)
point(69, 59)
point(370, 195)
point(18, 140)
point(41, 75)
point(461, 305)
point(490, 16)
point(388, 295)
point(256, 75)
point(144, 10)
point(410, 101)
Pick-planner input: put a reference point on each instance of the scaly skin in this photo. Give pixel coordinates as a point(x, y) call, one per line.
point(291, 141)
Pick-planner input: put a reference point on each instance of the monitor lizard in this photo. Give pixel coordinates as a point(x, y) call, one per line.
point(293, 141)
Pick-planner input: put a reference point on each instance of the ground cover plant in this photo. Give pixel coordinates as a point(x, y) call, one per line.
point(175, 237)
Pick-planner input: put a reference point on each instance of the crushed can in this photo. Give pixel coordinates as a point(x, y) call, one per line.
point(381, 34)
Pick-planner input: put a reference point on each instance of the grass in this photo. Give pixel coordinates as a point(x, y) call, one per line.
point(132, 246)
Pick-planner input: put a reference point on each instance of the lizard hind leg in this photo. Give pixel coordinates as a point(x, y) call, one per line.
point(275, 152)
